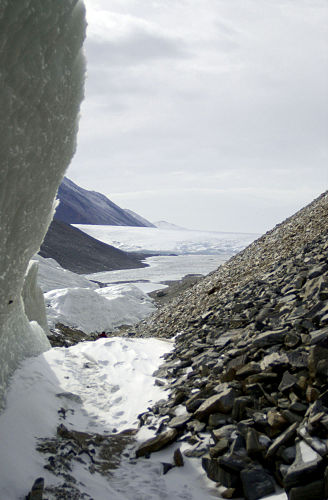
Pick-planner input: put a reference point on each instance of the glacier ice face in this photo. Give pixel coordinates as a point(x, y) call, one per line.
point(42, 74)
point(33, 299)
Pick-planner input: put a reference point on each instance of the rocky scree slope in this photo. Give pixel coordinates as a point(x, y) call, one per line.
point(247, 379)
point(271, 249)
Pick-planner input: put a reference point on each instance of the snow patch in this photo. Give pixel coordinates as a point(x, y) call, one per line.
point(308, 454)
point(51, 276)
point(97, 310)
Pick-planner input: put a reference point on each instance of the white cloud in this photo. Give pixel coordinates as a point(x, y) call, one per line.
point(232, 94)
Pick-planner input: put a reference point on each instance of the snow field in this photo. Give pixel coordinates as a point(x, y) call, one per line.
point(111, 380)
point(97, 310)
point(178, 241)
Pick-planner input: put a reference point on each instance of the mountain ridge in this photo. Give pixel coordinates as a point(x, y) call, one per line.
point(80, 206)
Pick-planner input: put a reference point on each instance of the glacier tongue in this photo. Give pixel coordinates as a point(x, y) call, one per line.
point(42, 74)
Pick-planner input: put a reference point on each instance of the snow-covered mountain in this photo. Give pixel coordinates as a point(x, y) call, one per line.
point(163, 224)
point(80, 206)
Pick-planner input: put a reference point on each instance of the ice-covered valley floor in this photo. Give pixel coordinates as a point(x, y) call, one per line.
point(169, 241)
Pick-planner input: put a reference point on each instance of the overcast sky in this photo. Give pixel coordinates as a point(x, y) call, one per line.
point(211, 114)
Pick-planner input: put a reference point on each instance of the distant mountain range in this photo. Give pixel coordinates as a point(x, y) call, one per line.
point(163, 224)
point(80, 206)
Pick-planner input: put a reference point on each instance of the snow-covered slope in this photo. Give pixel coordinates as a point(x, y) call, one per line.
point(80, 206)
point(103, 309)
point(79, 303)
point(51, 276)
point(169, 241)
point(101, 387)
point(42, 72)
point(163, 224)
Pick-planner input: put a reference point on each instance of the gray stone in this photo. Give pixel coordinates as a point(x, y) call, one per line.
point(180, 420)
point(286, 436)
point(306, 466)
point(178, 458)
point(257, 483)
point(221, 403)
point(311, 491)
point(224, 432)
point(318, 336)
point(36, 492)
point(317, 271)
point(198, 450)
point(70, 396)
point(193, 403)
point(288, 454)
point(221, 447)
point(196, 426)
point(211, 467)
point(157, 443)
point(247, 370)
point(239, 405)
point(317, 355)
point(269, 338)
point(253, 446)
point(167, 467)
point(234, 463)
point(218, 419)
point(276, 359)
point(288, 382)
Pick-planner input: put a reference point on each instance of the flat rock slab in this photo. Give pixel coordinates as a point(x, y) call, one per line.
point(157, 443)
point(307, 465)
point(220, 403)
point(269, 338)
point(287, 435)
point(180, 420)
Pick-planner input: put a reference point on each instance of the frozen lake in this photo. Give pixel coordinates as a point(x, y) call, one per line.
point(161, 268)
point(195, 252)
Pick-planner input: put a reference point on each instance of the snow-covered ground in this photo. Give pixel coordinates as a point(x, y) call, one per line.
point(113, 382)
point(167, 241)
point(102, 386)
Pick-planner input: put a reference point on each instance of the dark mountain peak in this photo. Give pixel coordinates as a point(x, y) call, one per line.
point(80, 206)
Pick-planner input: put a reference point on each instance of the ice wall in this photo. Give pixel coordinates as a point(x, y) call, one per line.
point(41, 87)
